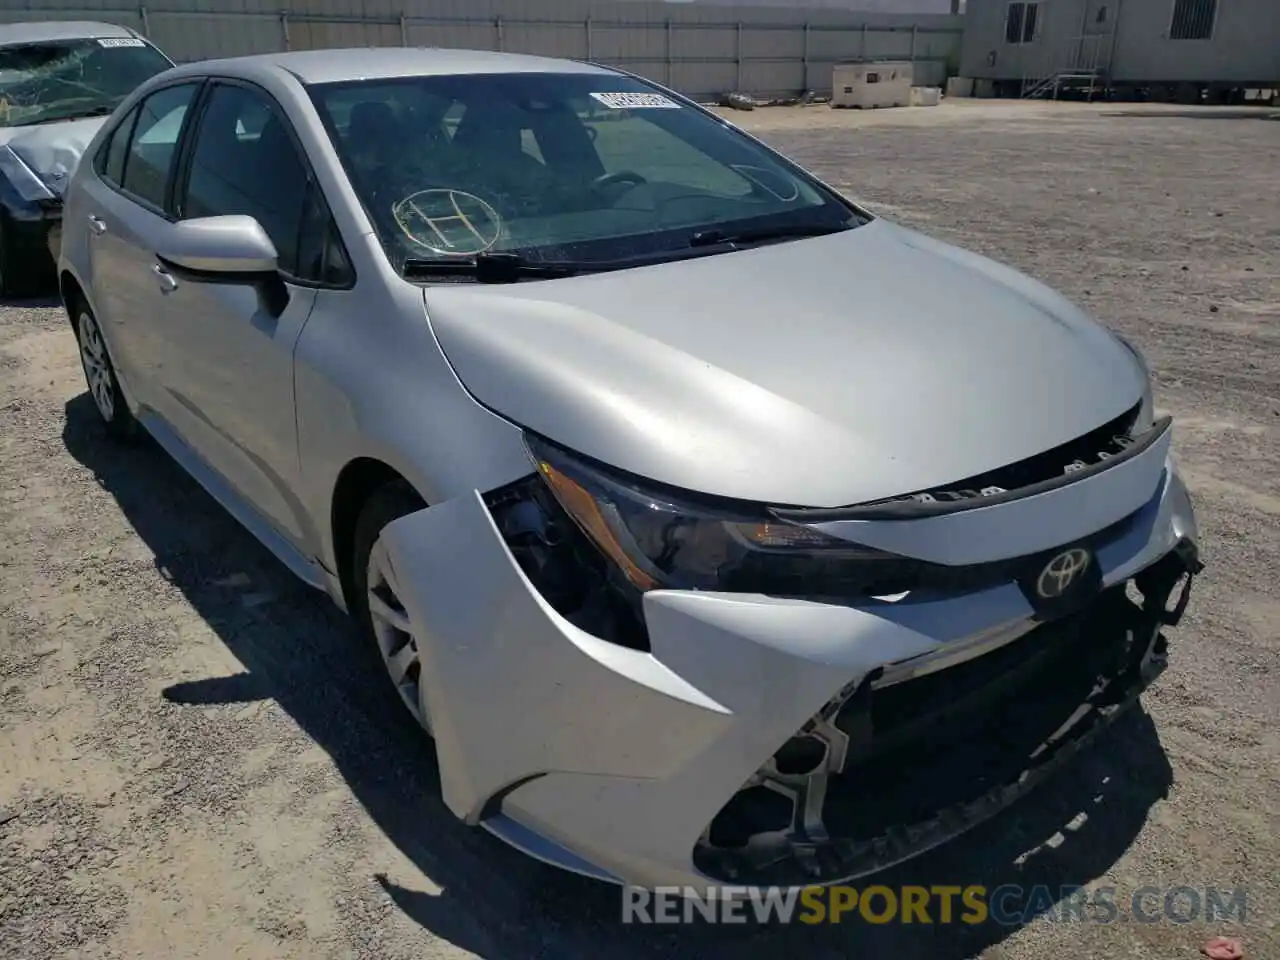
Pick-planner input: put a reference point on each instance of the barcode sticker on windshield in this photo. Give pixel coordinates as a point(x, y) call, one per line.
point(636, 101)
point(120, 42)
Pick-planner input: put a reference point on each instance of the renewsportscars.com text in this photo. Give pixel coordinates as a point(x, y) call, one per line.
point(1008, 905)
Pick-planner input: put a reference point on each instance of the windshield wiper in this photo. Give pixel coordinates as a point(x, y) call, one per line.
point(713, 237)
point(100, 111)
point(490, 268)
point(512, 268)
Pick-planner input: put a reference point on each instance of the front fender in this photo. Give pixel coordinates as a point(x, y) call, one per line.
point(370, 382)
point(512, 689)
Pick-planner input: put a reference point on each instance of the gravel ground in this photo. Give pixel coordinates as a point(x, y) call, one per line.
point(190, 768)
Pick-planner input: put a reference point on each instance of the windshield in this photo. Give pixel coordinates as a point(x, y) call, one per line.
point(556, 167)
point(65, 79)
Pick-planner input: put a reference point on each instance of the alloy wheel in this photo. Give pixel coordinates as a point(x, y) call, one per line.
point(97, 367)
point(394, 633)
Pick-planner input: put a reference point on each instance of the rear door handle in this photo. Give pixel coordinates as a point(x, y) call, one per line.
point(97, 224)
point(164, 278)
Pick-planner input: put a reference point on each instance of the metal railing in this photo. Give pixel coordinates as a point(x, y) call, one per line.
point(1083, 61)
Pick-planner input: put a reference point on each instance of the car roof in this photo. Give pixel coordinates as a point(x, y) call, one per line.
point(39, 31)
point(379, 63)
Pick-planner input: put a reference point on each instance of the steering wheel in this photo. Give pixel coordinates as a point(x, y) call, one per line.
point(620, 176)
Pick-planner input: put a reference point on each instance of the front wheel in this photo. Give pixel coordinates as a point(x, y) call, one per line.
point(376, 600)
point(100, 376)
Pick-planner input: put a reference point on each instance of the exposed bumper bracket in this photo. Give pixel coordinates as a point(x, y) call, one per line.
point(1113, 653)
point(1158, 581)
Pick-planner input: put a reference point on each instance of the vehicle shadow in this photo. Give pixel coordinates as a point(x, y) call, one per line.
point(47, 299)
point(299, 651)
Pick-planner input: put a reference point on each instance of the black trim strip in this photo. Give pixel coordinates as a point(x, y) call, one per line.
point(273, 292)
point(918, 510)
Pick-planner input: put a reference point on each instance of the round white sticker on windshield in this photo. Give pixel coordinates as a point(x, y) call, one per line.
point(636, 101)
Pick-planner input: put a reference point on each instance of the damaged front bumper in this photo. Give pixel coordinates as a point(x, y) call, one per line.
point(760, 740)
point(33, 238)
point(32, 214)
point(891, 771)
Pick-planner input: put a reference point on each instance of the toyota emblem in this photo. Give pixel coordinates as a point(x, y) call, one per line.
point(1062, 572)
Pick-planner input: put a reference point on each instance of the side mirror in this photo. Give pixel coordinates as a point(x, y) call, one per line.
point(228, 249)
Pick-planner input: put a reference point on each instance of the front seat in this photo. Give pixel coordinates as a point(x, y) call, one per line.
point(491, 132)
point(371, 130)
point(221, 164)
point(372, 135)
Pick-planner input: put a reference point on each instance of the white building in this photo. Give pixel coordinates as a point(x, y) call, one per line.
point(1172, 48)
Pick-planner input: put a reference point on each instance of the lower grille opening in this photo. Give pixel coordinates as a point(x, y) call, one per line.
point(927, 758)
point(952, 736)
point(752, 811)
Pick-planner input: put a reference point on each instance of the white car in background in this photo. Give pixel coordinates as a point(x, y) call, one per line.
point(59, 81)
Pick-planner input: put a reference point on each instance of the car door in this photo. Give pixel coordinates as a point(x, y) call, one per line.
point(227, 351)
point(125, 205)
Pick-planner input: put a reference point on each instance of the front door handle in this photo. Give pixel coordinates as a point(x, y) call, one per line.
point(97, 224)
point(167, 283)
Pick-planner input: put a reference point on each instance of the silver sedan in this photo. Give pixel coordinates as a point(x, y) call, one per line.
point(716, 529)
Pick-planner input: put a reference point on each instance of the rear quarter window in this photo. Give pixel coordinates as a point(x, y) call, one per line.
point(109, 162)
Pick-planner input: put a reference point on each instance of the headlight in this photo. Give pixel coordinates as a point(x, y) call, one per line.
point(658, 540)
point(22, 178)
point(1147, 412)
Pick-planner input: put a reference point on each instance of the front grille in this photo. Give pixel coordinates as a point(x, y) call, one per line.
point(813, 577)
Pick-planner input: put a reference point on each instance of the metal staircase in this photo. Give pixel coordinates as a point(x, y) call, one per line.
point(1083, 63)
point(1050, 87)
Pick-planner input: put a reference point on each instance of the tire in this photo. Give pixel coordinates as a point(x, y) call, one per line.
point(100, 376)
point(8, 274)
point(389, 502)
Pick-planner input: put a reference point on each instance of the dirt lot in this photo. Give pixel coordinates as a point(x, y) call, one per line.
point(189, 768)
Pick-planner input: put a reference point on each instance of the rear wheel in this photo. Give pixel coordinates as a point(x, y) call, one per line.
point(100, 376)
point(376, 599)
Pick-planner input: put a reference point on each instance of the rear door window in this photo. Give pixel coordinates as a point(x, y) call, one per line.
point(153, 146)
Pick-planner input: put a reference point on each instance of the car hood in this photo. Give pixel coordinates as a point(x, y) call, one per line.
point(823, 372)
point(52, 150)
